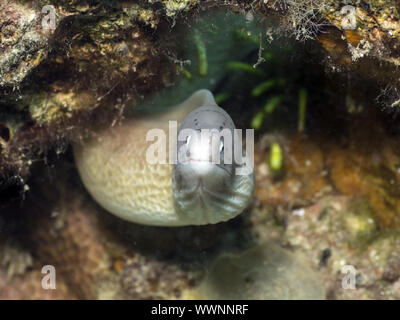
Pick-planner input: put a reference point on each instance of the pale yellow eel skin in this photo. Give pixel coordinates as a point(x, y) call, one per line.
point(114, 170)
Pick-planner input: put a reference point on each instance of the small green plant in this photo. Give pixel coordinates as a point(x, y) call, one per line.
point(302, 110)
point(263, 87)
point(243, 66)
point(275, 157)
point(201, 54)
point(221, 97)
point(275, 86)
point(261, 90)
point(269, 107)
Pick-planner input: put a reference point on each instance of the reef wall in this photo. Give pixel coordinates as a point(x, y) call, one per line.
point(68, 67)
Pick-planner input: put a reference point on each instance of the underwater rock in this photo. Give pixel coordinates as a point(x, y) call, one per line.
point(263, 272)
point(354, 223)
point(51, 79)
point(362, 162)
point(67, 235)
point(365, 29)
point(384, 254)
point(29, 287)
point(147, 278)
point(101, 56)
point(371, 29)
point(338, 234)
point(392, 269)
point(24, 45)
point(95, 255)
point(305, 179)
point(368, 166)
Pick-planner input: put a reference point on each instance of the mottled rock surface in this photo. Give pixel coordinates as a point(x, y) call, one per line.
point(262, 272)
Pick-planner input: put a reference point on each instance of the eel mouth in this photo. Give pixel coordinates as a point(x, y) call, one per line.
point(202, 204)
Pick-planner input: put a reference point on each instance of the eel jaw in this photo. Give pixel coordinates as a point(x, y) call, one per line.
point(206, 193)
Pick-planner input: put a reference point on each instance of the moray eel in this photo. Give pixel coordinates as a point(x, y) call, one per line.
point(193, 189)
